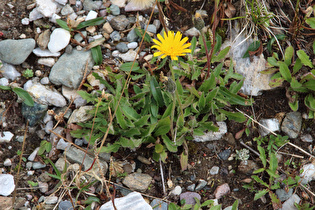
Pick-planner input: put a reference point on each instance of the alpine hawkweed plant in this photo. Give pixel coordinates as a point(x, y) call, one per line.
point(171, 45)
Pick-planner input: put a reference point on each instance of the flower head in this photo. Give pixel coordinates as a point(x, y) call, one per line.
point(171, 44)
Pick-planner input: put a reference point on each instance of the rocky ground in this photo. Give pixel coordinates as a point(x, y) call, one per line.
point(30, 38)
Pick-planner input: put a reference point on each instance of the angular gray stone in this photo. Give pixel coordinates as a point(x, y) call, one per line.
point(137, 181)
point(189, 197)
point(292, 124)
point(132, 36)
point(119, 22)
point(69, 69)
point(158, 204)
point(16, 51)
point(34, 113)
point(81, 115)
point(122, 47)
point(76, 155)
point(210, 136)
point(202, 183)
point(65, 205)
point(289, 204)
point(114, 9)
point(91, 5)
point(283, 195)
point(271, 124)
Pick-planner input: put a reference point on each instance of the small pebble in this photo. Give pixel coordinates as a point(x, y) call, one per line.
point(214, 170)
point(7, 162)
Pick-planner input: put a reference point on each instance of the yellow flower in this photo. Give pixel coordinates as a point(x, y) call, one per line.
point(172, 45)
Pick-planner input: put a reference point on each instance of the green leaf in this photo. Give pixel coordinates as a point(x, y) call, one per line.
point(140, 33)
point(236, 116)
point(91, 199)
point(193, 44)
point(234, 98)
point(310, 85)
point(208, 84)
point(310, 101)
point(93, 22)
point(276, 203)
point(130, 113)
point(258, 171)
point(163, 126)
point(235, 205)
point(127, 66)
point(295, 104)
point(97, 54)
point(142, 121)
point(305, 59)
point(33, 184)
point(183, 161)
point(272, 173)
point(311, 21)
point(314, 47)
point(121, 119)
point(24, 95)
point(262, 155)
point(272, 61)
point(260, 194)
point(63, 24)
point(217, 207)
point(288, 55)
point(221, 55)
point(156, 92)
point(294, 83)
point(170, 145)
point(285, 72)
point(252, 47)
point(297, 66)
point(5, 87)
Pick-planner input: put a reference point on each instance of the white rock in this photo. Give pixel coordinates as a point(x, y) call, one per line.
point(46, 95)
point(59, 39)
point(46, 7)
point(289, 204)
point(7, 162)
point(51, 200)
point(45, 53)
point(210, 136)
point(132, 45)
point(214, 170)
point(192, 32)
point(176, 191)
point(120, 3)
point(63, 2)
point(129, 56)
point(307, 138)
point(133, 201)
point(6, 184)
point(272, 125)
point(30, 173)
point(81, 115)
point(148, 57)
point(69, 93)
point(22, 36)
point(35, 15)
point(46, 61)
point(91, 15)
point(73, 16)
point(115, 53)
point(44, 81)
point(9, 71)
point(6, 137)
point(54, 17)
point(43, 186)
point(4, 82)
point(25, 21)
point(308, 173)
point(33, 155)
point(63, 145)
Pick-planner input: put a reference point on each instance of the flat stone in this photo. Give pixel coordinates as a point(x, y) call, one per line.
point(202, 183)
point(67, 10)
point(214, 170)
point(51, 200)
point(211, 136)
point(91, 15)
point(122, 47)
point(191, 187)
point(119, 22)
point(129, 56)
point(33, 155)
point(46, 61)
point(176, 191)
point(132, 36)
point(107, 28)
point(65, 205)
point(46, 7)
point(76, 155)
point(308, 173)
point(9, 71)
point(6, 137)
point(59, 39)
point(247, 167)
point(34, 113)
point(81, 115)
point(38, 165)
point(45, 95)
point(137, 181)
point(91, 5)
point(133, 201)
point(114, 9)
point(221, 191)
point(307, 138)
point(70, 68)
point(289, 204)
point(43, 39)
point(45, 53)
point(158, 204)
point(6, 184)
point(283, 195)
point(224, 155)
point(272, 125)
point(16, 52)
point(292, 124)
point(115, 36)
point(189, 197)
point(119, 3)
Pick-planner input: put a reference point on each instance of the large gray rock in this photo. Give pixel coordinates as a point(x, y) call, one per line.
point(69, 69)
point(119, 22)
point(16, 51)
point(76, 155)
point(292, 124)
point(137, 181)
